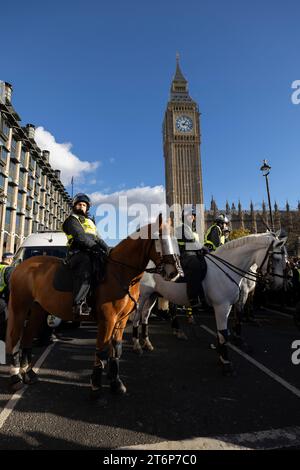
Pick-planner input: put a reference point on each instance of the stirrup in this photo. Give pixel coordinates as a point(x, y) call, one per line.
point(84, 309)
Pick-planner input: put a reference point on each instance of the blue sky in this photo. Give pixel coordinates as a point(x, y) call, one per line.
point(97, 75)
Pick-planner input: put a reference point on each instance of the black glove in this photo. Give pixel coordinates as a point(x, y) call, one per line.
point(103, 247)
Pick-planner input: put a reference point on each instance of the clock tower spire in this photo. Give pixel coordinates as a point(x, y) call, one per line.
point(181, 140)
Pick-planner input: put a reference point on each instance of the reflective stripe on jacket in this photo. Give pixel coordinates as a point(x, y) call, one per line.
point(87, 225)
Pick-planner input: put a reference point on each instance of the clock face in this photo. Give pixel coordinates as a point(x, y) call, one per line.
point(184, 124)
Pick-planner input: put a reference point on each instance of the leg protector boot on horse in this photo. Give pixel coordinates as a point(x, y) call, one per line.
point(16, 380)
point(116, 384)
point(135, 338)
point(96, 378)
point(146, 343)
point(222, 348)
point(28, 375)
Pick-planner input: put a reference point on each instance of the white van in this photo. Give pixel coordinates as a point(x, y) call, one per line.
point(42, 243)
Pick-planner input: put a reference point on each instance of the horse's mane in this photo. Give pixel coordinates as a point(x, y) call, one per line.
point(255, 239)
point(137, 234)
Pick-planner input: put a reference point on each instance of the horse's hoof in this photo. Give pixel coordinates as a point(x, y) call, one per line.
point(117, 387)
point(30, 377)
point(137, 350)
point(16, 382)
point(147, 345)
point(180, 335)
point(95, 394)
point(228, 370)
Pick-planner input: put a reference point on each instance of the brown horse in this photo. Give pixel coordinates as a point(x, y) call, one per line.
point(32, 292)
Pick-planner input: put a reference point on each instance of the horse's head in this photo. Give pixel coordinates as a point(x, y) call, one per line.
point(274, 266)
point(165, 252)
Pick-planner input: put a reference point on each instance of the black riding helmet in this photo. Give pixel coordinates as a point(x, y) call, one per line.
point(81, 197)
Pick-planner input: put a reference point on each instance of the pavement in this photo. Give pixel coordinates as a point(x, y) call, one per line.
point(177, 396)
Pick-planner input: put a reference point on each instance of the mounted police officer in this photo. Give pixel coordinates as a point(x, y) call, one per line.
point(191, 254)
point(83, 243)
point(187, 237)
point(214, 236)
point(5, 273)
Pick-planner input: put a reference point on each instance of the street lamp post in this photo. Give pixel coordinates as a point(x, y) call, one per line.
point(265, 168)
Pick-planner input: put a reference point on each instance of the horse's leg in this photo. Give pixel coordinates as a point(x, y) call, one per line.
point(177, 331)
point(33, 325)
point(135, 327)
point(221, 313)
point(17, 314)
point(148, 306)
point(106, 325)
point(116, 384)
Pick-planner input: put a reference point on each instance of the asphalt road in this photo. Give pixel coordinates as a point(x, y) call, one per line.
point(177, 397)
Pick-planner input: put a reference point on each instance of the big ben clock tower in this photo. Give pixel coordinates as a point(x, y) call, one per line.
point(181, 137)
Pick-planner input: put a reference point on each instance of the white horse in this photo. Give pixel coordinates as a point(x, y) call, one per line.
point(223, 286)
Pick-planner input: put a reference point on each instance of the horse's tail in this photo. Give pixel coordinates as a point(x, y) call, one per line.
point(20, 301)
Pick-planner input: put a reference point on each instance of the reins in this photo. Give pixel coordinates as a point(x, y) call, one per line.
point(249, 275)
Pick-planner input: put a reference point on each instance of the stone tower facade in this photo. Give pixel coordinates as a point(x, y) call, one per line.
point(181, 142)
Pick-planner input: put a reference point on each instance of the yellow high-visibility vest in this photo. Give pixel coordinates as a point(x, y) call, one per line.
point(2, 277)
point(209, 242)
point(88, 227)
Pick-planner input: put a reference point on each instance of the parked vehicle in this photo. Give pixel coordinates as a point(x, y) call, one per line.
point(43, 243)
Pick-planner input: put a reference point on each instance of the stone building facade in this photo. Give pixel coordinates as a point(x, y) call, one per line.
point(257, 220)
point(32, 196)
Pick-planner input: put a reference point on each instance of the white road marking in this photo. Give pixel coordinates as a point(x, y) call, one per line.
point(16, 396)
point(260, 366)
point(262, 440)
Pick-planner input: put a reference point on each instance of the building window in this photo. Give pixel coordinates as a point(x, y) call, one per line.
point(4, 128)
point(12, 171)
point(7, 220)
point(19, 201)
point(2, 182)
point(13, 148)
point(26, 227)
point(3, 155)
point(31, 162)
point(23, 157)
point(18, 220)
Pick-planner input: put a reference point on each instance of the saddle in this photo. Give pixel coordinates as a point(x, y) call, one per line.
point(195, 269)
point(63, 277)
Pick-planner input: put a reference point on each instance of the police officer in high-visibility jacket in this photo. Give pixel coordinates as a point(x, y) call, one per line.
point(214, 236)
point(190, 249)
point(83, 243)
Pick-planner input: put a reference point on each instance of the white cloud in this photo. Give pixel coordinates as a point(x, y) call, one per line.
point(112, 160)
point(140, 195)
point(61, 157)
point(122, 211)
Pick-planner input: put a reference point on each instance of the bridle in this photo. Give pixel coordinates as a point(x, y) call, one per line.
point(259, 276)
point(158, 269)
